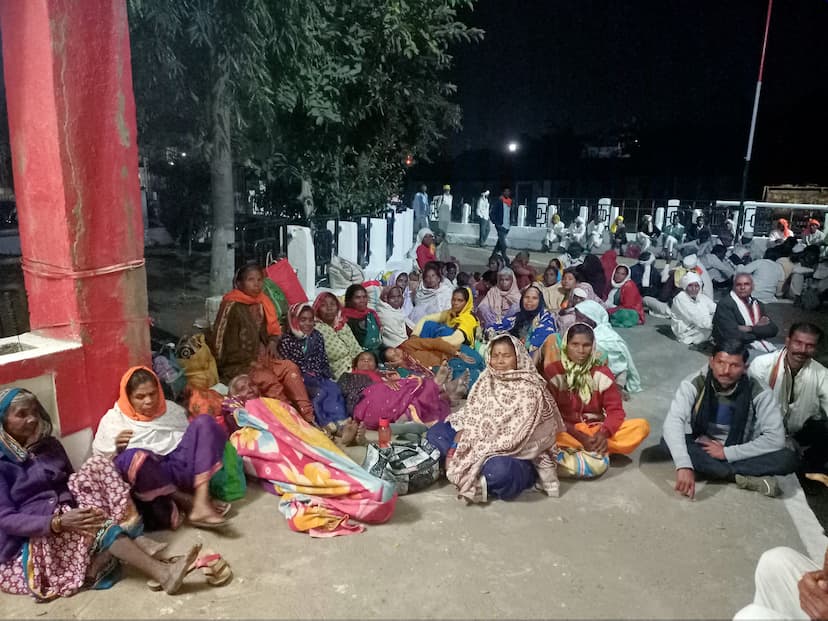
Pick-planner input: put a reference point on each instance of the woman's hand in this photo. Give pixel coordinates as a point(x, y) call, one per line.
point(465, 358)
point(122, 440)
point(273, 347)
point(90, 520)
point(392, 384)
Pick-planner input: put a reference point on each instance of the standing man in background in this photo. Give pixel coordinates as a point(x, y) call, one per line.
point(500, 215)
point(444, 209)
point(420, 207)
point(482, 210)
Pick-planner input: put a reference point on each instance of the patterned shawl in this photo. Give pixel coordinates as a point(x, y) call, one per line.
point(507, 413)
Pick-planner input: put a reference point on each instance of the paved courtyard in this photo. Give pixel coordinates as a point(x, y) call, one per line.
point(623, 546)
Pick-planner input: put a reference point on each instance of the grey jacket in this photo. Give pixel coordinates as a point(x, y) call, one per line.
point(764, 430)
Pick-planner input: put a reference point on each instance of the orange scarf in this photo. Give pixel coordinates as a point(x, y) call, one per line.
point(126, 407)
point(272, 320)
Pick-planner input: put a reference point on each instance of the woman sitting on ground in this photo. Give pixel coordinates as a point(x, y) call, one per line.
point(321, 489)
point(590, 400)
point(167, 460)
point(372, 394)
point(553, 292)
point(502, 441)
point(624, 304)
point(363, 321)
point(246, 337)
point(341, 346)
point(433, 294)
point(426, 249)
point(575, 291)
point(592, 272)
point(613, 349)
point(457, 325)
point(532, 324)
point(306, 348)
point(500, 301)
point(63, 531)
point(390, 309)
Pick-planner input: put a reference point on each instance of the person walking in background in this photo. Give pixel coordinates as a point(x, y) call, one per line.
point(443, 207)
point(500, 217)
point(420, 207)
point(482, 210)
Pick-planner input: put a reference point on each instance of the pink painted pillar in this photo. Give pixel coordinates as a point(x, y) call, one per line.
point(73, 140)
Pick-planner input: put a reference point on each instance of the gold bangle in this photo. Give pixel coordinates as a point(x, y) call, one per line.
point(56, 526)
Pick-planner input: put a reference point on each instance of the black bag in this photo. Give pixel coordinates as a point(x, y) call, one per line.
point(411, 463)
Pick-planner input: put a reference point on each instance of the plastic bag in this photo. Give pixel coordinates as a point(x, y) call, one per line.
point(197, 361)
point(282, 274)
point(229, 483)
point(342, 273)
point(411, 463)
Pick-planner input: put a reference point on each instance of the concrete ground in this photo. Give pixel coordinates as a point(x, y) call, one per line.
point(623, 546)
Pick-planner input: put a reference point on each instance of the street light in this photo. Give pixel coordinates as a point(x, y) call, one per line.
point(512, 147)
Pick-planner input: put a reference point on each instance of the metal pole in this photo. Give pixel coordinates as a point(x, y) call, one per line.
point(746, 169)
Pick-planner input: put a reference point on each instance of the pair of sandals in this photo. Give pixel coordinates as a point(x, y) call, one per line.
point(215, 568)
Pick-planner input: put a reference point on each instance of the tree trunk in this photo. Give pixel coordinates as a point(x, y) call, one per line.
point(223, 256)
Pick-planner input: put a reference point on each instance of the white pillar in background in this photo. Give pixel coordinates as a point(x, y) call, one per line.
point(605, 207)
point(672, 207)
point(301, 256)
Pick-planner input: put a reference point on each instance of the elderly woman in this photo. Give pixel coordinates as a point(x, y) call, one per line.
point(167, 460)
point(246, 337)
point(552, 290)
point(62, 531)
point(500, 301)
point(502, 441)
point(525, 273)
point(624, 304)
point(532, 324)
point(363, 321)
point(306, 348)
point(426, 250)
point(322, 490)
point(340, 344)
point(589, 399)
point(433, 295)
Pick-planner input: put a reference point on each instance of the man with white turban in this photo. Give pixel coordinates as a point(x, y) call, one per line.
point(576, 234)
point(692, 312)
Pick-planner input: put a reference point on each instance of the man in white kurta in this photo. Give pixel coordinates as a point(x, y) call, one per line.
point(800, 384)
point(692, 312)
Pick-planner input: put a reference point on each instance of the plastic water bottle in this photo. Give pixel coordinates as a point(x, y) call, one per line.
point(384, 433)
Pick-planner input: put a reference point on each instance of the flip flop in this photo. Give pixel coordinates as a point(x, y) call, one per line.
point(216, 570)
point(222, 508)
point(208, 525)
point(192, 555)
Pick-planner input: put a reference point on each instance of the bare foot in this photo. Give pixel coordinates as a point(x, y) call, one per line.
point(443, 373)
point(178, 570)
point(150, 546)
point(209, 516)
point(361, 440)
point(625, 395)
point(348, 432)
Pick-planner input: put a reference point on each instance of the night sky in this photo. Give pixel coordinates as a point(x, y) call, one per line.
point(591, 65)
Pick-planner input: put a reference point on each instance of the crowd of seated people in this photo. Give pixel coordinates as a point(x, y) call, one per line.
point(516, 377)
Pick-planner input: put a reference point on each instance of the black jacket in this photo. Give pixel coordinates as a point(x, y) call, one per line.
point(727, 319)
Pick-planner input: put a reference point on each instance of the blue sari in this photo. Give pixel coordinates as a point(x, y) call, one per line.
point(433, 330)
point(531, 327)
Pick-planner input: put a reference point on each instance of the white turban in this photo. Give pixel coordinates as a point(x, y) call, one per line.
point(688, 279)
point(690, 261)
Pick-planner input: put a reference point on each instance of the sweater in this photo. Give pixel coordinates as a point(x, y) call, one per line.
point(763, 433)
point(29, 494)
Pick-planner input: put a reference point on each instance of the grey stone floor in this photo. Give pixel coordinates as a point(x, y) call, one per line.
point(624, 546)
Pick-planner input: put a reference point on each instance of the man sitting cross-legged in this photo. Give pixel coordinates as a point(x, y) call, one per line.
point(724, 425)
point(800, 384)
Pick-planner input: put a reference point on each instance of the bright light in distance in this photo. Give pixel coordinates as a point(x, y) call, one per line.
point(183, 154)
point(512, 146)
